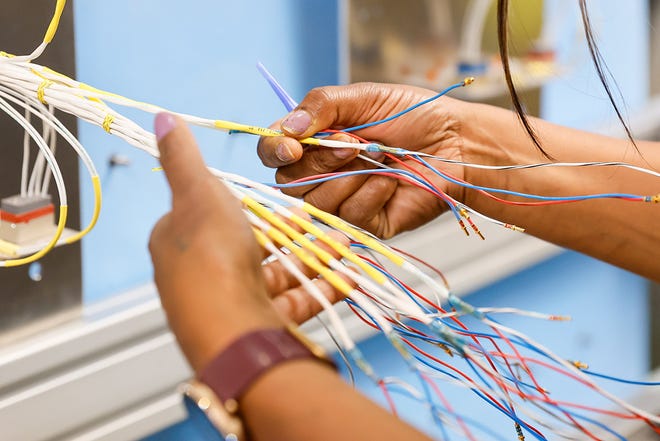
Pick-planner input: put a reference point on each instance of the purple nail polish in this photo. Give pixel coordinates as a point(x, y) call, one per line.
point(297, 122)
point(163, 124)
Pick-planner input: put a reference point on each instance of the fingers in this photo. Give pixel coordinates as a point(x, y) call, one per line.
point(333, 107)
point(299, 306)
point(318, 161)
point(323, 108)
point(276, 151)
point(179, 155)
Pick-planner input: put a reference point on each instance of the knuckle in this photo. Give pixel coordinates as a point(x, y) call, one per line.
point(316, 199)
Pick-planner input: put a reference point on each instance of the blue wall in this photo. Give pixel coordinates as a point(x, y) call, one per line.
point(197, 57)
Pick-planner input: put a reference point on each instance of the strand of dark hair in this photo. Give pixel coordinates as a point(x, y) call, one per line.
point(596, 57)
point(601, 69)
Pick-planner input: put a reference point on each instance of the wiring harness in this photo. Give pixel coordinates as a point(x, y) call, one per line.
point(428, 327)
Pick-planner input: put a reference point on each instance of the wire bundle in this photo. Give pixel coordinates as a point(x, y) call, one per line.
point(427, 327)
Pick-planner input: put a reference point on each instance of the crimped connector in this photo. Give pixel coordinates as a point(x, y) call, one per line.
point(579, 364)
point(464, 213)
point(654, 199)
point(560, 318)
point(519, 432)
point(468, 80)
point(463, 227)
point(445, 348)
point(514, 228)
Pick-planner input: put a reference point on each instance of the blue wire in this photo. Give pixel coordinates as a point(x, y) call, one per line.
point(288, 102)
point(582, 417)
point(409, 109)
point(483, 397)
point(429, 399)
point(471, 421)
point(526, 195)
point(366, 172)
point(620, 380)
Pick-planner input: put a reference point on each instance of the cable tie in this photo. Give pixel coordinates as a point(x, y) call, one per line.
point(107, 122)
point(42, 89)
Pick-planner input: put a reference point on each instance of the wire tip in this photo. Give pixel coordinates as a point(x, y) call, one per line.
point(561, 318)
point(157, 169)
point(468, 80)
point(580, 365)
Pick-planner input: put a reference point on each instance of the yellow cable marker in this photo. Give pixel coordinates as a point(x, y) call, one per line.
point(339, 224)
point(256, 130)
point(41, 253)
point(107, 122)
point(42, 89)
point(96, 183)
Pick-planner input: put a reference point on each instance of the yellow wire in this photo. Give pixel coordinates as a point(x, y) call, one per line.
point(256, 130)
point(55, 21)
point(264, 213)
point(96, 183)
point(316, 231)
point(343, 250)
point(340, 225)
point(309, 260)
point(41, 253)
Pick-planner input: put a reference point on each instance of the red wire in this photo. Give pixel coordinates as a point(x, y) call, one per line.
point(390, 402)
point(448, 406)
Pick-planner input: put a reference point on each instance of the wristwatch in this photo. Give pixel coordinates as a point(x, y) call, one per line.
point(228, 376)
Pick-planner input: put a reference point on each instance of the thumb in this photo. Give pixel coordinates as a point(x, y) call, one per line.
point(334, 107)
point(179, 155)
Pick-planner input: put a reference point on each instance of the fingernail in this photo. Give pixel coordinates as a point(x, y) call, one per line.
point(376, 156)
point(283, 152)
point(297, 122)
point(344, 153)
point(163, 124)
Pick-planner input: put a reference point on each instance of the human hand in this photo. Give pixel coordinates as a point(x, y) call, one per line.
point(382, 205)
point(207, 264)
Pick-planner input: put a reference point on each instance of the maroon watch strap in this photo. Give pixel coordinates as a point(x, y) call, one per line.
point(234, 369)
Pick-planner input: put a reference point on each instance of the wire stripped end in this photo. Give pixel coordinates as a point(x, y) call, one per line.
point(463, 212)
point(655, 199)
point(445, 348)
point(579, 364)
point(519, 432)
point(468, 80)
point(560, 318)
point(514, 228)
point(465, 230)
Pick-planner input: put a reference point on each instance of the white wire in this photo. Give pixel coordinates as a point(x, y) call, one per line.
point(52, 162)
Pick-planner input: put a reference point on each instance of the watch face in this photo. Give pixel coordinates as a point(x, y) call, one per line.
point(201, 424)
